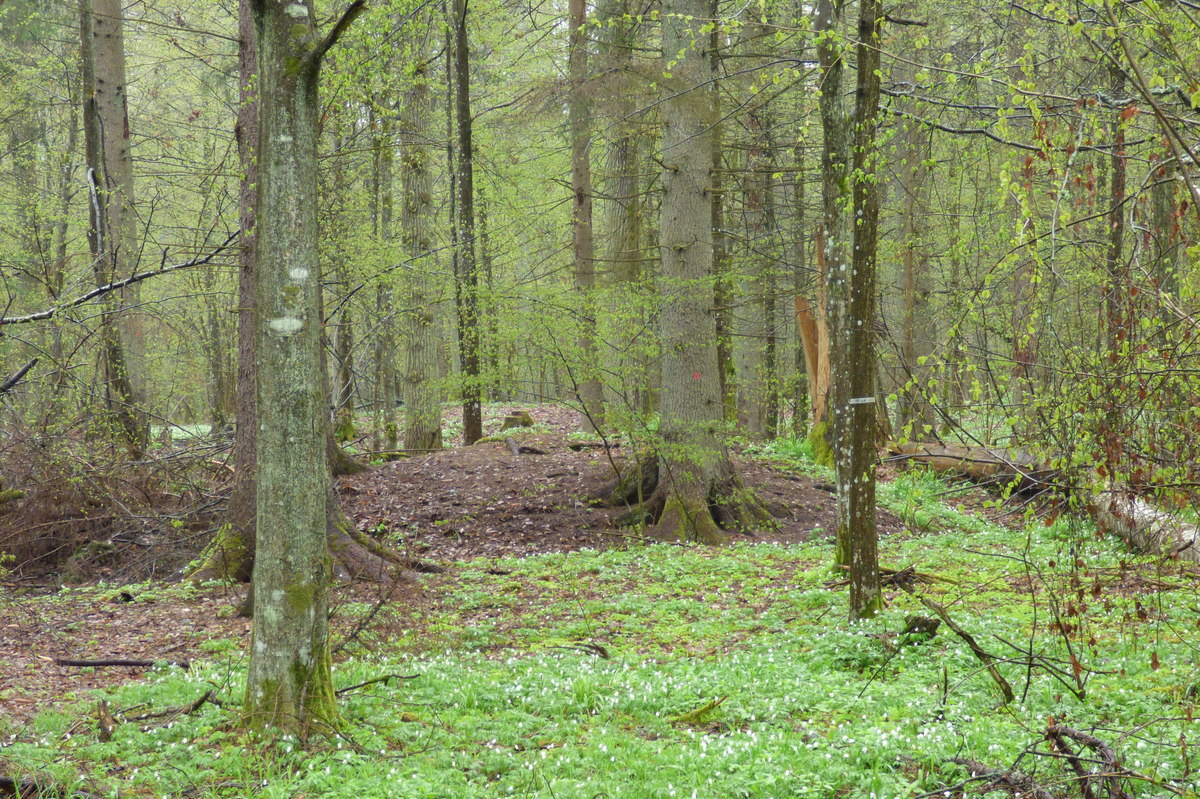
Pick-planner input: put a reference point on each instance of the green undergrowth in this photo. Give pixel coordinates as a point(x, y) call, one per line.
point(602, 675)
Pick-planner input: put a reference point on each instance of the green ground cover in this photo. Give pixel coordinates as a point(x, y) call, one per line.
point(685, 672)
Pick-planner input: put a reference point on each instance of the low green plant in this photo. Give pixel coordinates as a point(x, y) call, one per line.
point(580, 675)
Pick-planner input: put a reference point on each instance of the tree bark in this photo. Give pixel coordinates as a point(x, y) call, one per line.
point(422, 394)
point(832, 245)
point(289, 684)
point(105, 135)
point(231, 553)
point(854, 355)
point(384, 433)
point(627, 360)
point(588, 387)
point(696, 472)
point(466, 284)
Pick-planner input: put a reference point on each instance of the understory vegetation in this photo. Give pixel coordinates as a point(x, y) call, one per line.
point(679, 671)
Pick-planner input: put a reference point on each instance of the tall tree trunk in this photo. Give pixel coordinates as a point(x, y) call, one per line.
point(422, 394)
point(769, 281)
point(590, 391)
point(917, 336)
point(109, 207)
point(625, 358)
point(384, 435)
point(723, 278)
point(855, 456)
point(232, 553)
point(289, 684)
point(466, 284)
point(835, 158)
point(113, 107)
point(1164, 228)
point(696, 474)
point(801, 285)
point(754, 324)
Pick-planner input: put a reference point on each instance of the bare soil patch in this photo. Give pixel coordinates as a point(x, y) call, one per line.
point(485, 501)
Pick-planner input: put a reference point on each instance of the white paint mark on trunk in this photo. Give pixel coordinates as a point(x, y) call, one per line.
point(286, 325)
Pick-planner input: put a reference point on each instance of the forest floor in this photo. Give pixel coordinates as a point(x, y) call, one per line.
point(555, 657)
point(473, 504)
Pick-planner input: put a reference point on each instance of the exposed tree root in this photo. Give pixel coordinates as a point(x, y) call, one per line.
point(686, 506)
point(356, 556)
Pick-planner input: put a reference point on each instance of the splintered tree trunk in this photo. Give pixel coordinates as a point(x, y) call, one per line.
point(854, 357)
point(695, 470)
point(289, 685)
point(422, 397)
point(831, 245)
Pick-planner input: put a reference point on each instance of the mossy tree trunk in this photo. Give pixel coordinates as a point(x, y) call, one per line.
point(289, 685)
point(696, 474)
point(422, 390)
point(231, 554)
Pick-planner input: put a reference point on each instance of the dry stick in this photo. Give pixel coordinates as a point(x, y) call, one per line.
point(983, 657)
point(8, 384)
point(183, 664)
point(1011, 781)
point(120, 284)
point(181, 710)
point(1113, 771)
point(384, 679)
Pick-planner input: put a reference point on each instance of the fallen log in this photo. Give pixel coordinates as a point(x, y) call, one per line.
point(986, 465)
point(1119, 511)
point(1143, 527)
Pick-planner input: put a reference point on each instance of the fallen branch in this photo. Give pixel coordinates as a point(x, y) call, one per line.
point(385, 679)
point(179, 710)
point(1110, 775)
point(29, 789)
point(183, 664)
point(997, 779)
point(1119, 510)
point(1144, 527)
point(586, 648)
point(902, 578)
point(698, 715)
point(980, 653)
point(987, 465)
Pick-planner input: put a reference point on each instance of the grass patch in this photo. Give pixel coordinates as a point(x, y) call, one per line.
point(602, 674)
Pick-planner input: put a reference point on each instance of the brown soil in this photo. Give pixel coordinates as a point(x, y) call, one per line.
point(444, 507)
